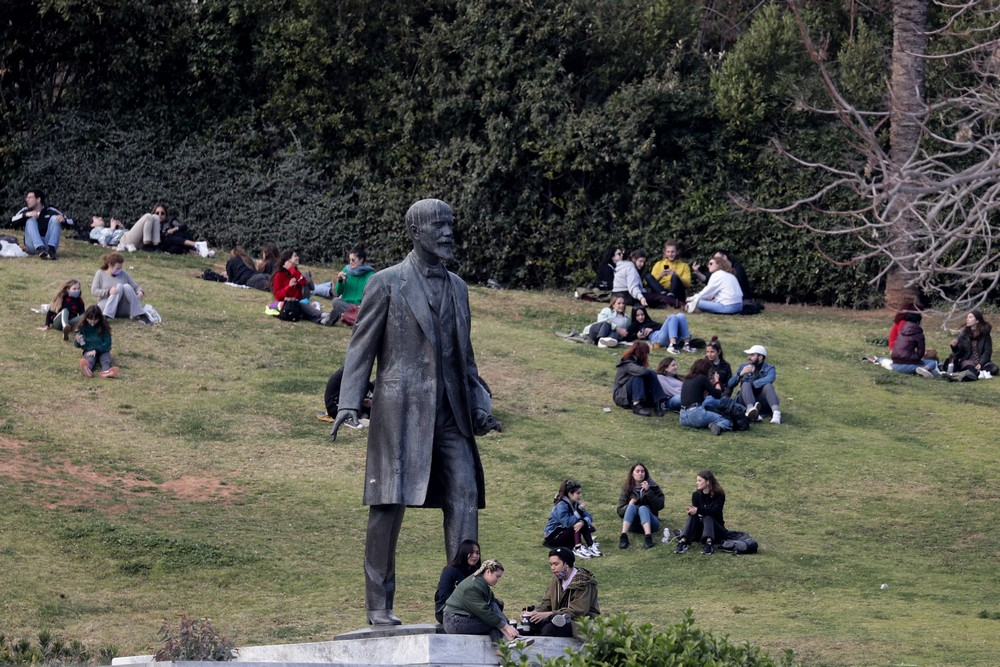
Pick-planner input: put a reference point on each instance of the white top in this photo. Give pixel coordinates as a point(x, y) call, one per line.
point(627, 279)
point(723, 288)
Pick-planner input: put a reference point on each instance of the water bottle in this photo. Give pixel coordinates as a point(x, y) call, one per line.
point(951, 366)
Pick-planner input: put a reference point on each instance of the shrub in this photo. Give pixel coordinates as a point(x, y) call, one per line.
point(51, 651)
point(614, 640)
point(194, 640)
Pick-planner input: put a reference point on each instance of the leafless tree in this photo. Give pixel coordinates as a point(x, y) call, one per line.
point(927, 202)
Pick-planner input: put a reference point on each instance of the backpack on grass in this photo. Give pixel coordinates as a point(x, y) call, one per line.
point(738, 543)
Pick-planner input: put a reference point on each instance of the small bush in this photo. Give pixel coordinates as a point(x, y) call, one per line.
point(194, 640)
point(614, 640)
point(51, 651)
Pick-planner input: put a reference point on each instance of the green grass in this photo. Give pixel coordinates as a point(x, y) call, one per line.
point(201, 483)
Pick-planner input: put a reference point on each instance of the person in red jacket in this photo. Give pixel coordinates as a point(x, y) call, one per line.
point(287, 285)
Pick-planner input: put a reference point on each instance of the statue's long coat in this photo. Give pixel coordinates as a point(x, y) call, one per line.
point(396, 327)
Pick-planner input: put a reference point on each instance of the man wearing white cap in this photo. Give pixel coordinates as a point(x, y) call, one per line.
point(757, 377)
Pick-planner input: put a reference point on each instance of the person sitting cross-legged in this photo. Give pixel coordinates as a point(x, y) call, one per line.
point(756, 380)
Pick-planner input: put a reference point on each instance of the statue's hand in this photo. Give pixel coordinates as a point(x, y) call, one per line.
point(344, 415)
point(485, 422)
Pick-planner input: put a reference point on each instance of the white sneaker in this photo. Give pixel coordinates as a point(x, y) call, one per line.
point(201, 247)
point(607, 342)
point(752, 412)
point(595, 550)
point(581, 551)
point(688, 348)
point(776, 417)
point(211, 253)
point(130, 247)
point(692, 305)
point(672, 349)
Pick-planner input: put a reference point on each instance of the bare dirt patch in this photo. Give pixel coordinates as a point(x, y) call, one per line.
point(61, 483)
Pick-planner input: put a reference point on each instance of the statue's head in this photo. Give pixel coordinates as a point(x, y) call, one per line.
point(429, 224)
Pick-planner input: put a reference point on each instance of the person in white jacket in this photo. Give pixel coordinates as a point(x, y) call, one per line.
point(722, 294)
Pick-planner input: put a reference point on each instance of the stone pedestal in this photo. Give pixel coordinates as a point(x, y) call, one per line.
point(398, 646)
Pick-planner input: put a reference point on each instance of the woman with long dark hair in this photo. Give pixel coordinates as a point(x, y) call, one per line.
point(636, 385)
point(287, 285)
point(639, 503)
point(705, 522)
point(462, 565)
point(698, 388)
point(972, 349)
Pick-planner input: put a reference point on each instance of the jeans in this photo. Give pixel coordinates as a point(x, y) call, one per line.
point(103, 358)
point(674, 403)
point(676, 327)
point(910, 369)
point(700, 418)
point(33, 241)
point(645, 516)
point(718, 308)
point(645, 390)
point(750, 395)
point(323, 289)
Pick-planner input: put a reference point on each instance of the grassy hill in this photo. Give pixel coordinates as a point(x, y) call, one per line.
point(200, 482)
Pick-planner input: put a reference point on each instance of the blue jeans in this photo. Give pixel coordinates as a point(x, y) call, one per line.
point(323, 289)
point(674, 403)
point(700, 418)
point(910, 369)
point(676, 327)
point(645, 516)
point(33, 241)
point(645, 390)
point(718, 308)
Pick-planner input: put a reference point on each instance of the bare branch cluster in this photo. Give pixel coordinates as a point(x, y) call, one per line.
point(931, 214)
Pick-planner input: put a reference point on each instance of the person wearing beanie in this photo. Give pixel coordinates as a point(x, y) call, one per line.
point(571, 595)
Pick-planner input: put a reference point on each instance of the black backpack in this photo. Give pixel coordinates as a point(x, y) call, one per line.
point(738, 543)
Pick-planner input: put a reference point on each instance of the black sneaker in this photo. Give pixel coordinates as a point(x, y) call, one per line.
point(648, 544)
point(43, 254)
point(682, 548)
point(707, 550)
point(623, 541)
point(52, 252)
point(641, 411)
point(715, 429)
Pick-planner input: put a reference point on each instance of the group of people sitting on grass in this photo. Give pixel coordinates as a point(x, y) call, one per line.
point(703, 395)
point(157, 230)
point(670, 280)
point(464, 601)
point(278, 272)
point(971, 355)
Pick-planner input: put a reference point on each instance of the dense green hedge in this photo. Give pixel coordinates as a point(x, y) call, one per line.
point(555, 128)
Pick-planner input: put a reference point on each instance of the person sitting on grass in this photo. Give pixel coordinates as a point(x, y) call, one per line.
point(66, 309)
point(972, 349)
point(240, 270)
point(570, 596)
point(570, 524)
point(642, 325)
point(639, 503)
point(675, 329)
point(701, 400)
point(636, 385)
point(723, 371)
point(119, 295)
point(106, 235)
point(666, 373)
point(473, 610)
point(93, 336)
point(705, 522)
point(722, 295)
point(612, 324)
point(909, 348)
point(756, 380)
point(462, 565)
point(287, 285)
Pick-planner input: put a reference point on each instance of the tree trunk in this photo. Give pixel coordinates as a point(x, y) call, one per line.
point(906, 111)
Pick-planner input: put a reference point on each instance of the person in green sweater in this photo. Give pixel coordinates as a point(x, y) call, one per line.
point(351, 280)
point(472, 608)
point(93, 335)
